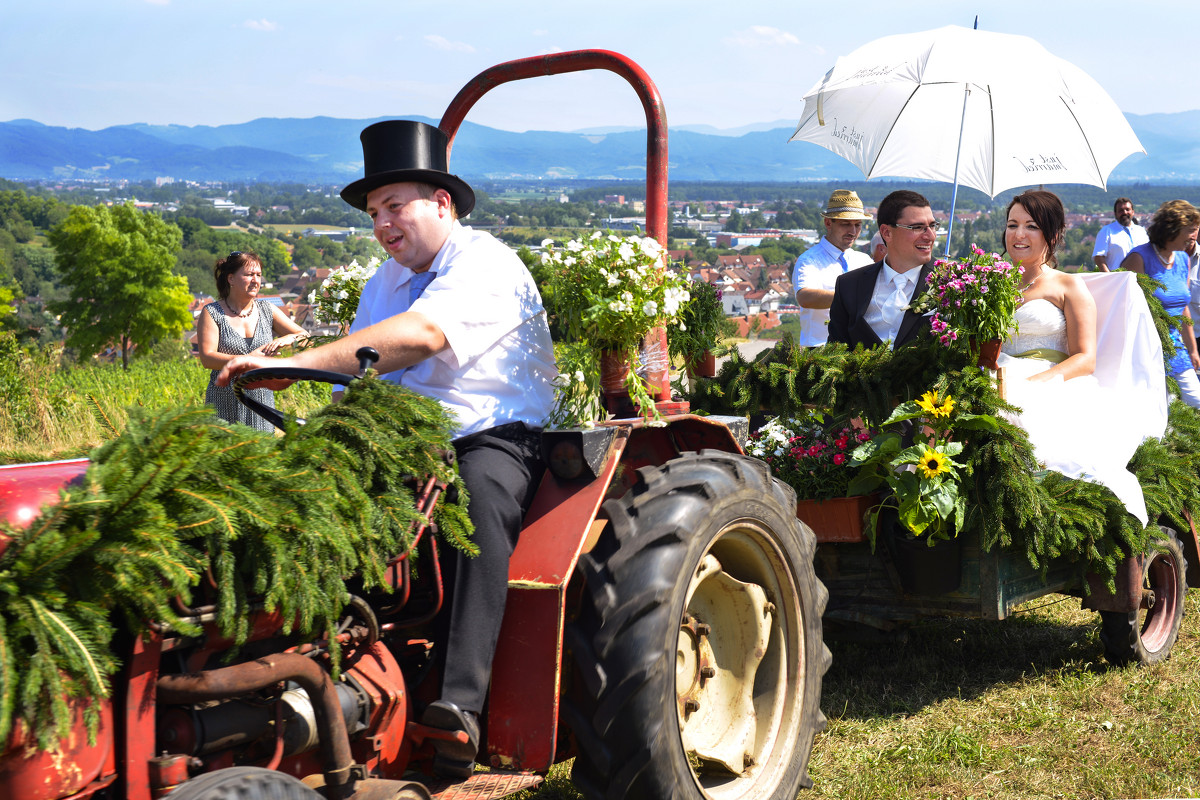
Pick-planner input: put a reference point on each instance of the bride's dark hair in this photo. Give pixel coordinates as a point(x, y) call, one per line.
point(1047, 212)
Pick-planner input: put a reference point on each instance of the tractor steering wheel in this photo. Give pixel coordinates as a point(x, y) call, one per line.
point(366, 357)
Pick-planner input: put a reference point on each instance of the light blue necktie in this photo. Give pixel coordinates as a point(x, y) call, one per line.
point(842, 261)
point(417, 284)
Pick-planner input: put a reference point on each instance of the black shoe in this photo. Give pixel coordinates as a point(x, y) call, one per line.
point(453, 759)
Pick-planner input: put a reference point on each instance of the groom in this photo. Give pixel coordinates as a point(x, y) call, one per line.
point(870, 304)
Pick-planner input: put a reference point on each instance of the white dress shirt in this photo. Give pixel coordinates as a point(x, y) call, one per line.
point(818, 268)
point(889, 301)
point(1114, 241)
point(499, 363)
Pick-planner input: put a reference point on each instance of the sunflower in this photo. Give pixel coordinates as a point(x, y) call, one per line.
point(934, 405)
point(933, 463)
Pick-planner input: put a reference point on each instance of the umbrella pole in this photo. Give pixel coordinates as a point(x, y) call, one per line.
point(957, 157)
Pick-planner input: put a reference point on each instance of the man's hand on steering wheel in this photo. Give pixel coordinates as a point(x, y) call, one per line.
point(239, 364)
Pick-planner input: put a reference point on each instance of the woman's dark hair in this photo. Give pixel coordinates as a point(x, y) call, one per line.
point(1048, 214)
point(1172, 218)
point(229, 265)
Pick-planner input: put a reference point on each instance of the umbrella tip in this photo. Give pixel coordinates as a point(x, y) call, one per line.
point(976, 26)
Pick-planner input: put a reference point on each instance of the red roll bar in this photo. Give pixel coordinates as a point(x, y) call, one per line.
point(578, 61)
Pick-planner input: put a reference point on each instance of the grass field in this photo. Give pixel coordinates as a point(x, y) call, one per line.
point(1022, 709)
point(51, 412)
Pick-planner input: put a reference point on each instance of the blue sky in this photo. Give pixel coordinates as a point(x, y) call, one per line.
point(95, 63)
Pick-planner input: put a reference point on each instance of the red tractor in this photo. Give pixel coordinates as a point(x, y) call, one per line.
point(663, 628)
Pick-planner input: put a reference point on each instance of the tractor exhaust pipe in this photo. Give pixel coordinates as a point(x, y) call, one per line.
point(221, 684)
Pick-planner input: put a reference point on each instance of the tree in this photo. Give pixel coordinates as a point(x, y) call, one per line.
point(116, 264)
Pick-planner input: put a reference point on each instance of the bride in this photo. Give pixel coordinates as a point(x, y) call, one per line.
point(1049, 361)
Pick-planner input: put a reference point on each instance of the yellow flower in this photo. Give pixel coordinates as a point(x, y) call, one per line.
point(933, 463)
point(936, 406)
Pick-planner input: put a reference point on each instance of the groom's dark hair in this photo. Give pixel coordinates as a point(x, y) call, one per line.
point(894, 204)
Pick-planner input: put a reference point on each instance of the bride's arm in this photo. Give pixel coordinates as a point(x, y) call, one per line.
point(1080, 311)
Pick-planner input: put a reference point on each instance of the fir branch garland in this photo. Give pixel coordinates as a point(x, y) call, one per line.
point(1012, 502)
point(184, 504)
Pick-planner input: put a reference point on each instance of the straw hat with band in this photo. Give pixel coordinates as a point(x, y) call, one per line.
point(400, 151)
point(844, 204)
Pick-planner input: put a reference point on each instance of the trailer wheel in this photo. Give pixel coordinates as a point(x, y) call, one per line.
point(244, 783)
point(1148, 634)
point(698, 642)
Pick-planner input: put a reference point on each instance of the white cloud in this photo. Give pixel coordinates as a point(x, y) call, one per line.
point(442, 43)
point(260, 25)
point(759, 35)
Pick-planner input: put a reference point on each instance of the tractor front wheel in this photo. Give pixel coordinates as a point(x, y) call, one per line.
point(244, 783)
point(698, 642)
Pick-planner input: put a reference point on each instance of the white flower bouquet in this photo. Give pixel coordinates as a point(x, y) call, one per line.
point(606, 293)
point(336, 301)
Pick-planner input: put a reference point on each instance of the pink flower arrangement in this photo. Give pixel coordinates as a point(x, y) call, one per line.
point(975, 297)
point(809, 455)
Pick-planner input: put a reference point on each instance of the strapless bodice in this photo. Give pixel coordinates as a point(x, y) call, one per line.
point(1040, 325)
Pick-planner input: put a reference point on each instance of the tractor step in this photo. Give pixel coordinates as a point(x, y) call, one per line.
point(484, 786)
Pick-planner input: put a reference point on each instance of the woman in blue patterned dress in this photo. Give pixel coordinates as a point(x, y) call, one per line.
point(1173, 228)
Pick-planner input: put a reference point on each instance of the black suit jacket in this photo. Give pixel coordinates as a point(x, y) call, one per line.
point(851, 297)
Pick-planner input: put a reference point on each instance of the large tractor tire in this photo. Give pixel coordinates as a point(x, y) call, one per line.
point(699, 639)
point(1147, 635)
point(244, 783)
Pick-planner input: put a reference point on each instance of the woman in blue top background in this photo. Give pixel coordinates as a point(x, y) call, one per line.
point(1172, 231)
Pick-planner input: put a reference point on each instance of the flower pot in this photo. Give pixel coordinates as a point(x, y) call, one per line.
point(614, 368)
point(703, 367)
point(923, 569)
point(652, 364)
point(837, 520)
point(988, 352)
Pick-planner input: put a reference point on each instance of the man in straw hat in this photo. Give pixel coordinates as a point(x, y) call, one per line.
point(820, 265)
point(455, 316)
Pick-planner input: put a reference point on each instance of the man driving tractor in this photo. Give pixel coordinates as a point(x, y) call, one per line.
point(455, 316)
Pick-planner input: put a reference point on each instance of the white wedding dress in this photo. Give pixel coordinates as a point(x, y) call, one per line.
point(1080, 427)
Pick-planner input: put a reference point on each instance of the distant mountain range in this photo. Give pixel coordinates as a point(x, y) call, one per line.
point(326, 150)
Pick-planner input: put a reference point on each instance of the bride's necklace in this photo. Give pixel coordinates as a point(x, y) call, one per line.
point(1029, 285)
point(247, 311)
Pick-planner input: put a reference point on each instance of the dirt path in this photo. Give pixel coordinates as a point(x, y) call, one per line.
point(751, 348)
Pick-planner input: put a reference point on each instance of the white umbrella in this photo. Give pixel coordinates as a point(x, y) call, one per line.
point(988, 110)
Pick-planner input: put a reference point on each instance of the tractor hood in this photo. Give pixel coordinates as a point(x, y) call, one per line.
point(25, 488)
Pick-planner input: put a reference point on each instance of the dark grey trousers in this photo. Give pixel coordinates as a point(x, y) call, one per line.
point(502, 468)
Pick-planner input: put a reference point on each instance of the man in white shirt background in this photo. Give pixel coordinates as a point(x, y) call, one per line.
point(819, 266)
point(1116, 239)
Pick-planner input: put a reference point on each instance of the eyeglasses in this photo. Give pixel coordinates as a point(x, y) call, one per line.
point(920, 228)
point(235, 254)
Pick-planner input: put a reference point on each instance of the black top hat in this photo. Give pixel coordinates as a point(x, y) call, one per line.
point(401, 150)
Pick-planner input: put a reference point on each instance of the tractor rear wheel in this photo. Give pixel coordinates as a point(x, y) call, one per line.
point(244, 783)
point(698, 641)
point(1147, 635)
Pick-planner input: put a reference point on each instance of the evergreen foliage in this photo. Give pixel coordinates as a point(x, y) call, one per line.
point(1012, 502)
point(183, 504)
point(116, 264)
